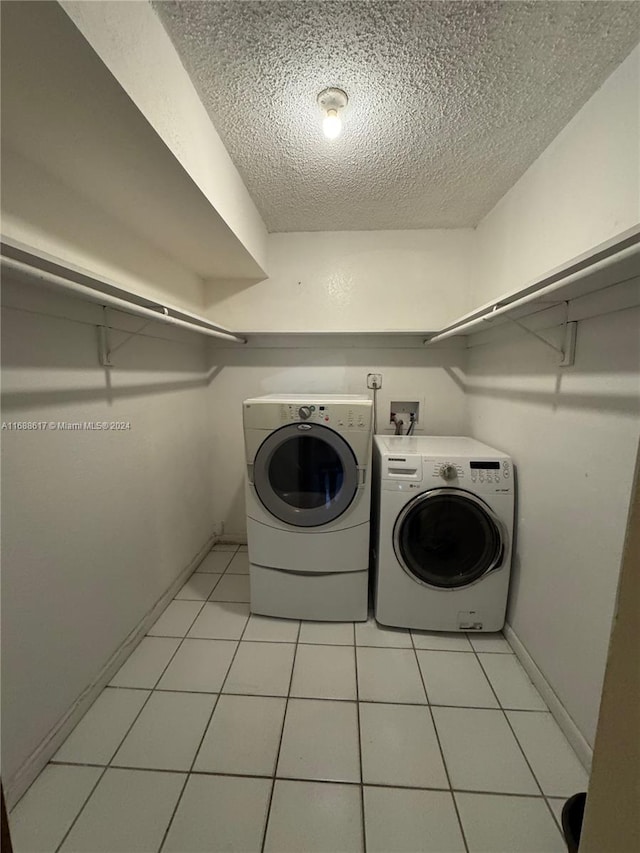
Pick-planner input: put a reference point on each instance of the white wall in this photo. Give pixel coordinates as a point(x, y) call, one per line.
point(354, 280)
point(96, 525)
point(134, 46)
point(42, 212)
point(341, 370)
point(573, 433)
point(582, 190)
point(86, 177)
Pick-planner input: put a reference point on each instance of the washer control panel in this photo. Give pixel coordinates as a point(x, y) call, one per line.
point(491, 475)
point(347, 417)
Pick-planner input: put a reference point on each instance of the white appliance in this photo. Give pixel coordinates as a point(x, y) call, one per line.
point(443, 533)
point(308, 497)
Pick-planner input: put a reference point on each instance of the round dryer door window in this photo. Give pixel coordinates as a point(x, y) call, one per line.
point(448, 538)
point(305, 474)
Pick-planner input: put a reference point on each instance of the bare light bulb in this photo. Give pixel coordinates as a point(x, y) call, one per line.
point(331, 102)
point(332, 124)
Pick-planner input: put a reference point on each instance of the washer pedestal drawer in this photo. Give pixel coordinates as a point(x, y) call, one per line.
point(326, 597)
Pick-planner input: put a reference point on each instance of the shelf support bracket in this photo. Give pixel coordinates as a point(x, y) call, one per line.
point(129, 336)
point(105, 350)
point(104, 341)
point(568, 348)
point(569, 344)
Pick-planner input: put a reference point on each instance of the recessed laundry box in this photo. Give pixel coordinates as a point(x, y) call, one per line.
point(308, 490)
point(444, 533)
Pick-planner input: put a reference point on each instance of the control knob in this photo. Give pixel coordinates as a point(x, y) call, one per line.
point(304, 412)
point(448, 472)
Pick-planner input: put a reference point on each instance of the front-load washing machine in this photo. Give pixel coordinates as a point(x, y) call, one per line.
point(308, 496)
point(444, 517)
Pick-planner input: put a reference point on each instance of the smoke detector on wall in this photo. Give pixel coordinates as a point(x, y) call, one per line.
point(332, 102)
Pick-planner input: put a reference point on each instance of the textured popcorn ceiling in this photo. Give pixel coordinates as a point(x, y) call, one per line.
point(449, 102)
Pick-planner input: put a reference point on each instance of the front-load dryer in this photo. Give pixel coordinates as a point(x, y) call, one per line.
point(443, 533)
point(308, 492)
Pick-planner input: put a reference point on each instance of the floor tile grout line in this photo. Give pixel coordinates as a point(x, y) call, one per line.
point(307, 643)
point(226, 573)
point(223, 572)
point(179, 646)
point(475, 634)
point(82, 807)
point(533, 773)
point(266, 776)
point(142, 707)
point(442, 756)
point(275, 766)
point(144, 704)
point(531, 711)
point(502, 705)
point(555, 817)
point(184, 785)
point(363, 817)
point(233, 556)
point(226, 600)
point(213, 589)
point(104, 767)
point(491, 687)
point(181, 637)
point(274, 776)
point(204, 734)
point(126, 734)
point(513, 732)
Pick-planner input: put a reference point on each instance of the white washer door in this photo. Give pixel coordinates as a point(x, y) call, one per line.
point(305, 474)
point(448, 539)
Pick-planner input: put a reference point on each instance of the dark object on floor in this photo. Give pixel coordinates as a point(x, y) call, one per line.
point(6, 838)
point(572, 814)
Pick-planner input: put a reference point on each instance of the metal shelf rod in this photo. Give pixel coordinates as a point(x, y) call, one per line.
point(498, 309)
point(160, 312)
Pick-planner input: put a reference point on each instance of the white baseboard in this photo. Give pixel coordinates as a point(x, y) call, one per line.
point(233, 539)
point(558, 711)
point(16, 785)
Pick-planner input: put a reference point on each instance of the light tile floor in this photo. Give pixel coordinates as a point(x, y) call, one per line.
point(225, 731)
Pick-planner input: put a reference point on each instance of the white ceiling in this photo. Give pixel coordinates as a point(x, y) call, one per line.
point(450, 102)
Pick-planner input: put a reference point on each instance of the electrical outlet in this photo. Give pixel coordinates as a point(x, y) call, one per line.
point(374, 380)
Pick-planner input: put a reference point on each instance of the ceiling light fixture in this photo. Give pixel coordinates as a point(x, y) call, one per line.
point(332, 102)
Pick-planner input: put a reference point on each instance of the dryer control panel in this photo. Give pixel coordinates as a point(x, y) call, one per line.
point(345, 416)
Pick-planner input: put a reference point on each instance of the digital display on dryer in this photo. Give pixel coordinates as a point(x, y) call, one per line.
point(484, 465)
